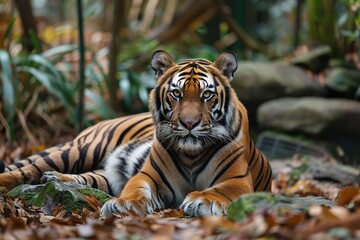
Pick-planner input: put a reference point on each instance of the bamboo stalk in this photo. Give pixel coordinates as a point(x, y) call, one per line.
point(80, 110)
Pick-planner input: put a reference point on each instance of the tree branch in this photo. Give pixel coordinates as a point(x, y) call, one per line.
point(189, 15)
point(249, 42)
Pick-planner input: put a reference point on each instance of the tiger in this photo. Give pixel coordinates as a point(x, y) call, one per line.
point(191, 151)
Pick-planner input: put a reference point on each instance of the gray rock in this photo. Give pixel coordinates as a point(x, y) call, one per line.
point(259, 82)
point(256, 83)
point(344, 80)
point(311, 115)
point(316, 60)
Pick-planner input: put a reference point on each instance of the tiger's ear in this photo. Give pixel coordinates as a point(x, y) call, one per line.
point(160, 62)
point(227, 64)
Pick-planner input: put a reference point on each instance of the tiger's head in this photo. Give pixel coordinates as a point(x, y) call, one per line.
point(193, 105)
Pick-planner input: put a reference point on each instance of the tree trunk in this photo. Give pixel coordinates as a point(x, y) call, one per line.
point(28, 24)
point(118, 32)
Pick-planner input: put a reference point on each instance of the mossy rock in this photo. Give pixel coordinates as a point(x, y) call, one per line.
point(247, 204)
point(70, 195)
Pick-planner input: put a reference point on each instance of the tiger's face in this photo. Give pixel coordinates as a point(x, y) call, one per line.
point(191, 103)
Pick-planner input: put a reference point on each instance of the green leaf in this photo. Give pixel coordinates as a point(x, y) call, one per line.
point(41, 76)
point(9, 86)
point(357, 93)
point(59, 50)
point(9, 27)
point(70, 195)
point(34, 41)
point(52, 86)
point(95, 72)
point(125, 86)
point(59, 79)
point(143, 95)
point(100, 107)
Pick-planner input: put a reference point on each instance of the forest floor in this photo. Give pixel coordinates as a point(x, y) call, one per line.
point(302, 206)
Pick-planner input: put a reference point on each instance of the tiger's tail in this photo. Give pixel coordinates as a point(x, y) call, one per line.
point(31, 169)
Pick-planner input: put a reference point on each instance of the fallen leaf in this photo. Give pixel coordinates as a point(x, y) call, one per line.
point(347, 195)
point(162, 231)
point(217, 224)
point(93, 202)
point(304, 187)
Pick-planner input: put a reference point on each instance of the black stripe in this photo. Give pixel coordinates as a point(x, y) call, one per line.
point(263, 178)
point(51, 164)
point(123, 134)
point(159, 157)
point(268, 180)
point(226, 157)
point(18, 164)
point(156, 188)
point(216, 81)
point(202, 74)
point(203, 61)
point(225, 168)
point(42, 154)
point(240, 176)
point(141, 130)
point(259, 182)
point(227, 99)
point(38, 169)
point(107, 182)
point(83, 150)
point(162, 176)
point(23, 175)
point(83, 178)
point(140, 162)
point(145, 133)
point(183, 69)
point(251, 161)
point(167, 100)
point(65, 160)
point(177, 162)
point(222, 194)
point(237, 130)
point(109, 133)
point(260, 173)
point(83, 137)
point(95, 184)
point(207, 157)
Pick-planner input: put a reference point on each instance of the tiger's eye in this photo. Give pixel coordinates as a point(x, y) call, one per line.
point(207, 94)
point(176, 93)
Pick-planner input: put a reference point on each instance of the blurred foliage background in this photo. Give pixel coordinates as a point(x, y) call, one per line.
point(40, 55)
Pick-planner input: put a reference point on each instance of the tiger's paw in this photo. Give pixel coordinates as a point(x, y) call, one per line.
point(55, 176)
point(120, 206)
point(204, 204)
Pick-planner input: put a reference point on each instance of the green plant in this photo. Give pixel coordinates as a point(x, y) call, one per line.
point(34, 84)
point(24, 77)
point(135, 81)
point(334, 23)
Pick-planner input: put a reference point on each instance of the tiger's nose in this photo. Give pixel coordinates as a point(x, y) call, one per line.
point(189, 123)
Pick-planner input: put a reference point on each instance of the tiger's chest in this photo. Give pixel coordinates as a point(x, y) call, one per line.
point(183, 181)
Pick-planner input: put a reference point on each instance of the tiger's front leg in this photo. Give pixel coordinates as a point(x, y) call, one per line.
point(215, 200)
point(136, 197)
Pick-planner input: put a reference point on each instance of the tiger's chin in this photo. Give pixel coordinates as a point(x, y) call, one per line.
point(190, 145)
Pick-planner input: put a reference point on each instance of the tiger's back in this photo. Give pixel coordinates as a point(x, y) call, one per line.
point(87, 152)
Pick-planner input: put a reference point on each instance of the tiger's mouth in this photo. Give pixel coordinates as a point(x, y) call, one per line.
point(190, 141)
point(194, 132)
point(191, 137)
